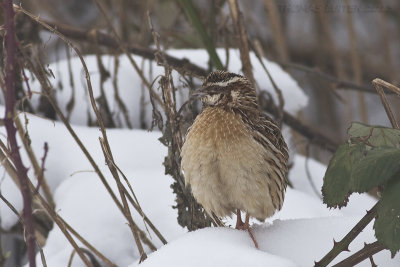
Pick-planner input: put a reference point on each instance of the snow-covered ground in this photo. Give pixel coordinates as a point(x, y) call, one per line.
point(299, 234)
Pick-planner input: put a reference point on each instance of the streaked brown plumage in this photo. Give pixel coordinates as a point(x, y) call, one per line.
point(234, 156)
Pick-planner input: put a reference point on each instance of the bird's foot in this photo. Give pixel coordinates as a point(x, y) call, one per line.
point(239, 222)
point(252, 238)
point(240, 225)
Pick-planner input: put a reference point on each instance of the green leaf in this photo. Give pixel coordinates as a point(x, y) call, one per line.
point(336, 189)
point(376, 168)
point(387, 224)
point(374, 135)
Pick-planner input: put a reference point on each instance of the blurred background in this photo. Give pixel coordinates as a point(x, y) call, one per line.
point(334, 49)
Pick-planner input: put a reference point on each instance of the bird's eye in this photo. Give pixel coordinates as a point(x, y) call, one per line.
point(212, 99)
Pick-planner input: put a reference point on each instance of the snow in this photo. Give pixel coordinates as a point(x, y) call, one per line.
point(296, 236)
point(214, 247)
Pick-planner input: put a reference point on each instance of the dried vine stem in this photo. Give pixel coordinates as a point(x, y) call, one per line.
point(14, 210)
point(378, 83)
point(258, 51)
point(356, 63)
point(361, 255)
point(10, 103)
point(241, 35)
point(390, 86)
point(274, 18)
point(343, 245)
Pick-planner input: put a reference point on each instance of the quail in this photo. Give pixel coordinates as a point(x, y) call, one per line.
point(234, 156)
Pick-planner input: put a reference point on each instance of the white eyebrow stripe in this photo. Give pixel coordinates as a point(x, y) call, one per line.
point(223, 84)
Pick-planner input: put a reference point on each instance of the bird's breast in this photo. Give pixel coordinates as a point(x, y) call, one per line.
point(219, 148)
point(218, 127)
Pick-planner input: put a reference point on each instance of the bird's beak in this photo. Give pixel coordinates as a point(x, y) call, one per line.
point(199, 93)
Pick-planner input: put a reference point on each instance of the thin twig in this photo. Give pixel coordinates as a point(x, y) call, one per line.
point(389, 86)
point(308, 172)
point(278, 91)
point(42, 169)
point(39, 171)
point(86, 243)
point(338, 83)
point(182, 66)
point(71, 101)
point(314, 136)
point(92, 258)
point(378, 85)
point(355, 63)
point(241, 35)
point(109, 159)
point(136, 201)
point(117, 97)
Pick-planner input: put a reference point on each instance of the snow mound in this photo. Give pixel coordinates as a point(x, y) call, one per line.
point(214, 247)
point(297, 242)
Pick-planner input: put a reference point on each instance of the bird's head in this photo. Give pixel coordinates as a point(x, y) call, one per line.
point(227, 90)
